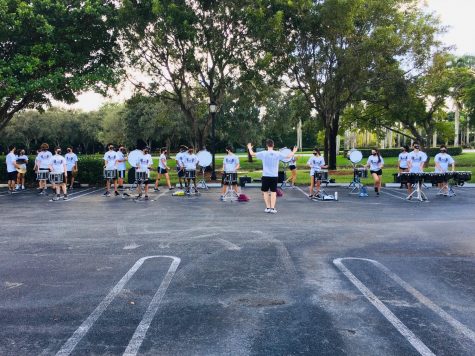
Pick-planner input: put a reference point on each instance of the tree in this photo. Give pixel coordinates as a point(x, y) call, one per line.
point(54, 49)
point(193, 51)
point(332, 50)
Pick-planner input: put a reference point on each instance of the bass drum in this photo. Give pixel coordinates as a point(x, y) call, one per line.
point(131, 176)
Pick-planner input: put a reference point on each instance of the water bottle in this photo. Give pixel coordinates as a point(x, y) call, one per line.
point(336, 195)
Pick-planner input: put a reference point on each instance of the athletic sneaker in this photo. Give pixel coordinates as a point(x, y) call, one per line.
point(273, 211)
point(107, 194)
point(267, 210)
point(310, 196)
point(126, 195)
point(156, 189)
point(65, 197)
point(116, 193)
point(171, 188)
point(146, 197)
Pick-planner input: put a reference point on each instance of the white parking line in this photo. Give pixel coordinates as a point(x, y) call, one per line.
point(388, 314)
point(82, 194)
point(457, 325)
point(139, 335)
point(72, 342)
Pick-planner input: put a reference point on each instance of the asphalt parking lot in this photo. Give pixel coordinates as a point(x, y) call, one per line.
point(196, 276)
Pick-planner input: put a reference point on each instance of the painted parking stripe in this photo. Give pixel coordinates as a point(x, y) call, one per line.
point(139, 335)
point(384, 310)
point(82, 194)
point(80, 332)
point(457, 325)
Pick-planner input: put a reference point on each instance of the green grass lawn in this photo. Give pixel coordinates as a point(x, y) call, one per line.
point(344, 173)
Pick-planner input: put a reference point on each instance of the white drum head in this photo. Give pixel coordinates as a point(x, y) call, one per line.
point(355, 156)
point(205, 159)
point(285, 152)
point(134, 157)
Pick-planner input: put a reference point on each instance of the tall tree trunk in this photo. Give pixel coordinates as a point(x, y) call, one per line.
point(457, 124)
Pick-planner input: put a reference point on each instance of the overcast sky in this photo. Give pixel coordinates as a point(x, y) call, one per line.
point(457, 14)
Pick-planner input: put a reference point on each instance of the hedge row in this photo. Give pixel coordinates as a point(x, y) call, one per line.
point(90, 170)
point(394, 152)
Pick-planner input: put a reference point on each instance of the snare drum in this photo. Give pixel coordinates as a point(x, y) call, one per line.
point(321, 175)
point(110, 173)
point(42, 175)
point(141, 176)
point(230, 178)
point(360, 172)
point(56, 178)
point(190, 174)
point(463, 177)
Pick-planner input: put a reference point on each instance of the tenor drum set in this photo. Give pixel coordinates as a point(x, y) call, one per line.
point(359, 172)
point(285, 152)
point(205, 159)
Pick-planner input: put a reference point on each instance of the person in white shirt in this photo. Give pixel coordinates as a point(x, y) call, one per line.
point(110, 164)
point(316, 163)
point(121, 166)
point(402, 161)
point(180, 168)
point(144, 164)
point(293, 170)
point(442, 162)
point(71, 166)
point(22, 161)
point(42, 163)
point(12, 166)
point(270, 172)
point(375, 164)
point(416, 162)
point(230, 165)
point(163, 170)
point(58, 166)
point(190, 161)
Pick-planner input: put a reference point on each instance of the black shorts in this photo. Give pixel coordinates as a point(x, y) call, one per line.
point(121, 174)
point(404, 169)
point(181, 173)
point(292, 167)
point(378, 172)
point(12, 175)
point(269, 183)
point(162, 171)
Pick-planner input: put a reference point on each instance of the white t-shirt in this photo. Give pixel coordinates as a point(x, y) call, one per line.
point(144, 162)
point(111, 159)
point(270, 162)
point(10, 160)
point(315, 163)
point(190, 161)
point(163, 158)
point(417, 160)
point(44, 159)
point(179, 158)
point(293, 161)
point(375, 163)
point(71, 160)
point(403, 157)
point(57, 164)
point(120, 165)
point(23, 159)
point(230, 162)
point(444, 160)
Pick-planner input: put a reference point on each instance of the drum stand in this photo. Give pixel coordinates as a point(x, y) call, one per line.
point(230, 194)
point(447, 189)
point(418, 193)
point(356, 185)
point(285, 184)
point(202, 183)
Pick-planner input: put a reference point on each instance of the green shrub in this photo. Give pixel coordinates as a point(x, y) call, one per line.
point(90, 170)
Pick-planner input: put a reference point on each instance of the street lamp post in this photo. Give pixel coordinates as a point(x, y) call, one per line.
point(212, 109)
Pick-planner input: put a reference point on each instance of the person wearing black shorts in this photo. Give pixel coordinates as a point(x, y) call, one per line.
point(12, 166)
point(180, 168)
point(163, 169)
point(293, 171)
point(270, 172)
point(375, 164)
